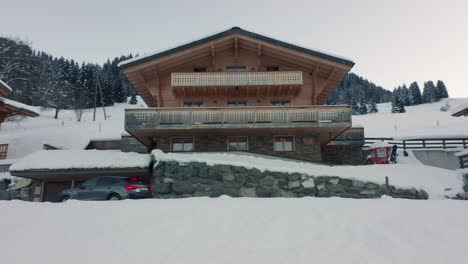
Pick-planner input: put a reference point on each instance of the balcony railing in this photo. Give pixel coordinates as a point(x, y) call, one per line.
point(236, 79)
point(131, 144)
point(352, 136)
point(242, 117)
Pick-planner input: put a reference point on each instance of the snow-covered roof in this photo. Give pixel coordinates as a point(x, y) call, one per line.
point(80, 159)
point(5, 86)
point(459, 108)
point(26, 109)
point(233, 30)
point(437, 182)
point(462, 153)
point(379, 144)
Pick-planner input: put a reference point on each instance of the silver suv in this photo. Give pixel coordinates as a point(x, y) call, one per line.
point(108, 188)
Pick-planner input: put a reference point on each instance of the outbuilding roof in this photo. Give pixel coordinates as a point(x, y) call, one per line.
point(234, 30)
point(4, 88)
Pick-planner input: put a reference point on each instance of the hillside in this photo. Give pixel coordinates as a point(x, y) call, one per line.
point(421, 121)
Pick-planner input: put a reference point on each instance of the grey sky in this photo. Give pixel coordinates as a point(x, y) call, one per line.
point(392, 42)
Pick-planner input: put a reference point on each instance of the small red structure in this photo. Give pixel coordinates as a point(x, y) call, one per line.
point(379, 153)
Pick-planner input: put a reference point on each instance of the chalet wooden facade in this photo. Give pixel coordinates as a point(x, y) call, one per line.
point(238, 91)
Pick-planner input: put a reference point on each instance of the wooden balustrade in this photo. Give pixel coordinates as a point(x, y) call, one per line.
point(242, 117)
point(229, 79)
point(354, 135)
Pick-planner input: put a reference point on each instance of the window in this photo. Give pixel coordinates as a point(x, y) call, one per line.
point(106, 181)
point(284, 143)
point(3, 151)
point(272, 68)
point(238, 144)
point(236, 104)
point(199, 69)
point(193, 104)
point(280, 103)
point(381, 152)
point(182, 144)
point(236, 69)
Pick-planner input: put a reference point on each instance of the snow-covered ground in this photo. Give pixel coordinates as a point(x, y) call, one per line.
point(421, 121)
point(28, 135)
point(235, 230)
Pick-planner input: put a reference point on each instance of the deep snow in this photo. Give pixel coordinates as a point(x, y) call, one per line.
point(235, 230)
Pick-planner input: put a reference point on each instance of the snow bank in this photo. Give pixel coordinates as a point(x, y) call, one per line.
point(81, 159)
point(437, 182)
point(238, 230)
point(462, 153)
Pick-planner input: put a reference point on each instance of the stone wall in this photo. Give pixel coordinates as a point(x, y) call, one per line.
point(307, 146)
point(173, 180)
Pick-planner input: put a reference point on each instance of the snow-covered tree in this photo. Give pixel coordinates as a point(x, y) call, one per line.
point(429, 92)
point(415, 97)
point(372, 107)
point(441, 90)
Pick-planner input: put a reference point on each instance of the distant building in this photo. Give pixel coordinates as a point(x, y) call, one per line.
point(242, 91)
point(461, 111)
point(11, 108)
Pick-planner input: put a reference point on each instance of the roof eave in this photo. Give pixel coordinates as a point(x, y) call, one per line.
point(235, 30)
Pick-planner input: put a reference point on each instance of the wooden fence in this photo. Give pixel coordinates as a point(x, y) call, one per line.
point(423, 143)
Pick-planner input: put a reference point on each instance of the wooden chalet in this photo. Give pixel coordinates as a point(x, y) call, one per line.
point(11, 108)
point(238, 91)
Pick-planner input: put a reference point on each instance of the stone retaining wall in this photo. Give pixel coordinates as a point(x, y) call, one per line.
point(173, 180)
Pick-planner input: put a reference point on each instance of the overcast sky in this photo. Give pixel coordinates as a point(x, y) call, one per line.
point(392, 42)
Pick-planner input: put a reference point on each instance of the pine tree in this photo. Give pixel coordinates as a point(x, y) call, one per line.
point(429, 92)
point(441, 91)
point(372, 107)
point(363, 109)
point(415, 97)
point(133, 100)
point(398, 105)
point(354, 108)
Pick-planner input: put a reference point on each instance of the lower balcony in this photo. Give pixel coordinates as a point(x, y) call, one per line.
point(327, 121)
point(352, 136)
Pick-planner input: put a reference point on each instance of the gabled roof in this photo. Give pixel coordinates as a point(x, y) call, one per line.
point(234, 30)
point(4, 88)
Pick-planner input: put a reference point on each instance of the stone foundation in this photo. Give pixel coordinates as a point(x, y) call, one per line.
point(194, 179)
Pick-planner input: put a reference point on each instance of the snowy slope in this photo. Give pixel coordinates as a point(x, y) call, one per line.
point(27, 135)
point(235, 230)
point(421, 121)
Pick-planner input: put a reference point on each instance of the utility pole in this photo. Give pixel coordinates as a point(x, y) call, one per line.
point(96, 86)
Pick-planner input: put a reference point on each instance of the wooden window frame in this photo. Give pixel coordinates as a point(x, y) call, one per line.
point(192, 103)
point(272, 68)
point(282, 102)
point(236, 103)
point(284, 136)
point(175, 138)
point(3, 151)
point(246, 142)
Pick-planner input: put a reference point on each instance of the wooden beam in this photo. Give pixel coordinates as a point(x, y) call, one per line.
point(213, 58)
point(235, 51)
point(259, 54)
point(314, 84)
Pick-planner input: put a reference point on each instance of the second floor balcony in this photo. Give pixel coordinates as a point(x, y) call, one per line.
point(236, 83)
point(242, 117)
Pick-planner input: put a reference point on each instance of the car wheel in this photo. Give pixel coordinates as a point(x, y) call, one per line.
point(65, 198)
point(114, 197)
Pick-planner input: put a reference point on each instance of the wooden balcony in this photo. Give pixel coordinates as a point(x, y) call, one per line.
point(328, 121)
point(236, 83)
point(352, 136)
